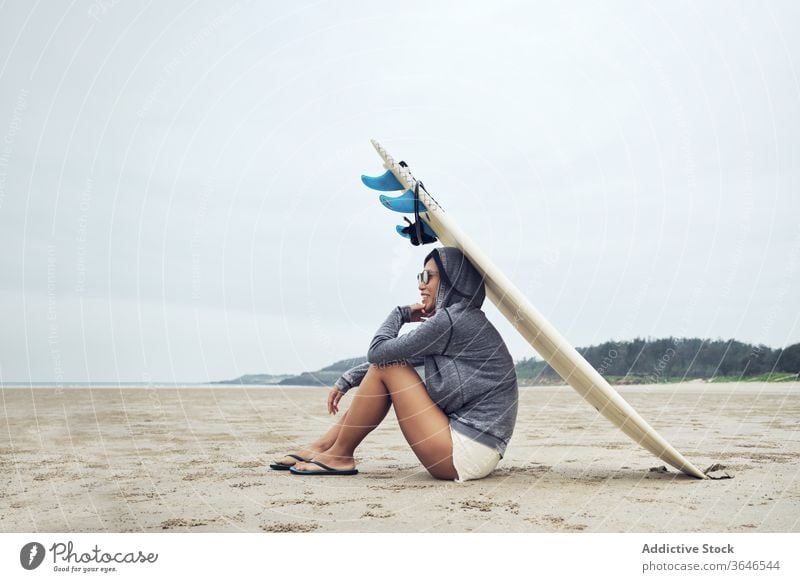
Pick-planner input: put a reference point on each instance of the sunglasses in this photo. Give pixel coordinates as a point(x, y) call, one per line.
point(425, 276)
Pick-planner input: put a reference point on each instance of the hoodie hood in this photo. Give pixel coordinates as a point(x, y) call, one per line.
point(460, 282)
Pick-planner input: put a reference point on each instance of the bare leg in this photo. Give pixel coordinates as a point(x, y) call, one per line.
point(368, 408)
point(425, 426)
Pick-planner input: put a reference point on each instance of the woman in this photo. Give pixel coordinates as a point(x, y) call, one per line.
point(460, 419)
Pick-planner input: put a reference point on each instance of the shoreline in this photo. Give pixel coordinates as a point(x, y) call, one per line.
point(202, 386)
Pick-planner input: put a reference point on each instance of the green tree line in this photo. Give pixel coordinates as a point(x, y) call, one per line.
point(675, 359)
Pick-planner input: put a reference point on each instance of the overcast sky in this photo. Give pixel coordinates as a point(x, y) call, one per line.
point(179, 181)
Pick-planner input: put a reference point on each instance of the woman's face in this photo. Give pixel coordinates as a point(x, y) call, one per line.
point(428, 290)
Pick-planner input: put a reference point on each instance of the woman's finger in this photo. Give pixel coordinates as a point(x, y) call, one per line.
point(333, 400)
point(336, 398)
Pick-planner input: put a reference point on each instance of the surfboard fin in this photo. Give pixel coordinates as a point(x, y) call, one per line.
point(384, 183)
point(403, 230)
point(403, 203)
point(410, 232)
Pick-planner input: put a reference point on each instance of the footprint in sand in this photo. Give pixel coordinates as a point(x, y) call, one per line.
point(289, 527)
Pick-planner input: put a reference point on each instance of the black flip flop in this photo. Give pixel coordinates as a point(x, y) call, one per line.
point(326, 470)
point(284, 466)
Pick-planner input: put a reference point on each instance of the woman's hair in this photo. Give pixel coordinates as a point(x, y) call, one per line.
point(434, 254)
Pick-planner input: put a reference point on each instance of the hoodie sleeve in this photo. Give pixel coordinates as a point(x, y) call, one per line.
point(431, 337)
point(352, 377)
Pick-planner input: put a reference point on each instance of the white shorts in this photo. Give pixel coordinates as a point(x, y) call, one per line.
point(472, 460)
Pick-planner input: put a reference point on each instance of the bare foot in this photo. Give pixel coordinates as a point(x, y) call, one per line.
point(327, 458)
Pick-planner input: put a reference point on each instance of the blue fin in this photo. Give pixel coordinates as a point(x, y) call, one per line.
point(385, 183)
point(403, 203)
point(425, 228)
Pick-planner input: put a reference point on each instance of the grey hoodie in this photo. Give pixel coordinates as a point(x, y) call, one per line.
point(469, 372)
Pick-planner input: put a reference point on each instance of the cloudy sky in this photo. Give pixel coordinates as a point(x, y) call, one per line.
point(180, 195)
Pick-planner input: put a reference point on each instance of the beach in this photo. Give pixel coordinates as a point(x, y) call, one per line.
point(196, 460)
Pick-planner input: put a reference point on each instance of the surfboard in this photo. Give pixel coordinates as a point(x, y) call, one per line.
point(527, 320)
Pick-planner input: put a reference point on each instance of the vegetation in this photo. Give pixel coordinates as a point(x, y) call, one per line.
point(637, 361)
point(674, 360)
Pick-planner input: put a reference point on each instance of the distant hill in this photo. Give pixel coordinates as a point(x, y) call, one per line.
point(638, 361)
point(650, 361)
point(324, 377)
point(255, 379)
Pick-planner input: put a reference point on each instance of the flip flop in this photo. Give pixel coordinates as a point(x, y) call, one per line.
point(326, 470)
point(284, 466)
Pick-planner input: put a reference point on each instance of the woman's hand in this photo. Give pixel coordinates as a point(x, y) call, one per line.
point(418, 312)
point(334, 396)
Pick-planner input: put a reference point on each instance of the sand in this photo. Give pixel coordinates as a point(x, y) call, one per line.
point(149, 460)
